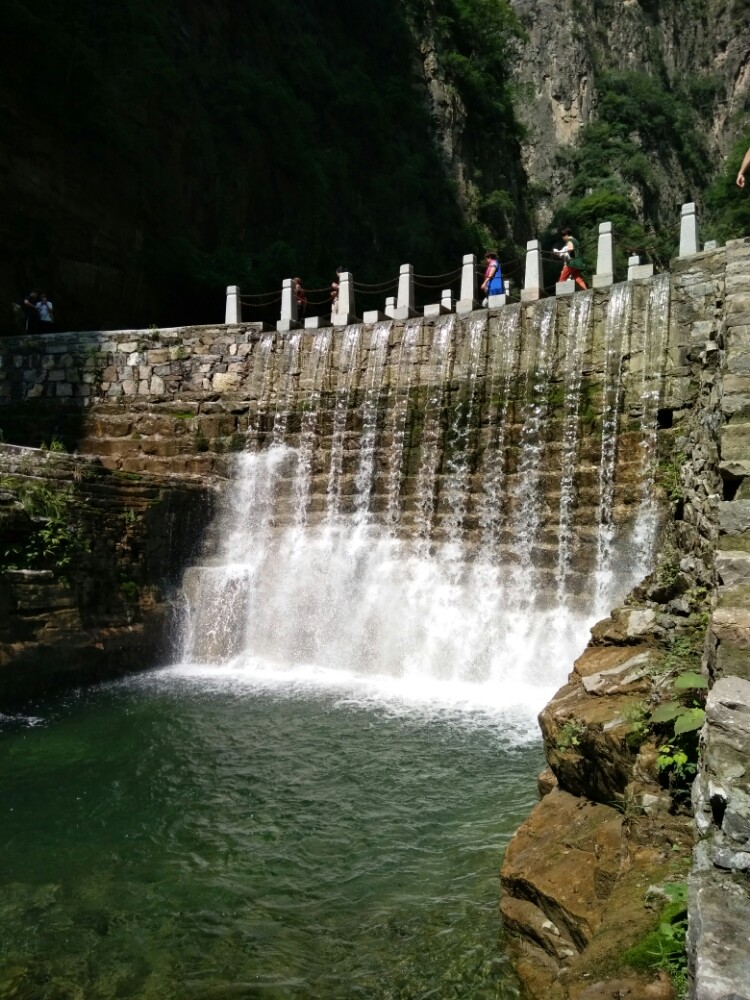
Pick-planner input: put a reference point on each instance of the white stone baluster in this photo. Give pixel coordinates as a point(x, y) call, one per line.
point(233, 309)
point(605, 257)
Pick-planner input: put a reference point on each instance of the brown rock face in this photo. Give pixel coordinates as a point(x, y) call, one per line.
point(559, 870)
point(586, 725)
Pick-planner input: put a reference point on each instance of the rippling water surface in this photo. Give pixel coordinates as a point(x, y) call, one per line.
point(180, 837)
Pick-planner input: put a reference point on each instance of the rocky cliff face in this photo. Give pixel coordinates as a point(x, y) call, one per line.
point(570, 45)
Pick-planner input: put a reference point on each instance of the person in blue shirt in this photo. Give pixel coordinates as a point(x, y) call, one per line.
point(493, 275)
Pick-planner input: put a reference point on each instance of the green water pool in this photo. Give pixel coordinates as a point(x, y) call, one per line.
point(165, 837)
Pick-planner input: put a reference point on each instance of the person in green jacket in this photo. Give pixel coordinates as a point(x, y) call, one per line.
point(571, 255)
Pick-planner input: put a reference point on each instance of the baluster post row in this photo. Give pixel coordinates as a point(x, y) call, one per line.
point(402, 306)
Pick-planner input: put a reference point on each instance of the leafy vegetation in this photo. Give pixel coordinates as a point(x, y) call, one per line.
point(570, 735)
point(58, 538)
point(664, 947)
point(642, 124)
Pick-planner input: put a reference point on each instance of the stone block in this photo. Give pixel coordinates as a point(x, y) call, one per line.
point(467, 305)
point(602, 280)
point(226, 381)
point(733, 568)
point(734, 516)
point(565, 287)
point(731, 625)
point(719, 937)
point(401, 313)
point(639, 271)
point(496, 301)
point(737, 303)
point(373, 316)
point(531, 294)
point(739, 319)
point(285, 325)
point(436, 309)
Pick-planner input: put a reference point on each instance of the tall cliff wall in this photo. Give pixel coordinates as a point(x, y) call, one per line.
point(694, 47)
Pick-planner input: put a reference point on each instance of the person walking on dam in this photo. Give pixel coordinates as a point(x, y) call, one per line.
point(493, 275)
point(571, 255)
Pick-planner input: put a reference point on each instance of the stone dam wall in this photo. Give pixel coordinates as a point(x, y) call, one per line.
point(577, 382)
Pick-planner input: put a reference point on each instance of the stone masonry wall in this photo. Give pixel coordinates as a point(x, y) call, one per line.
point(91, 563)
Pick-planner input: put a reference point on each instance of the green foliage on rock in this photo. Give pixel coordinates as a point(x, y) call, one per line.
point(57, 538)
point(664, 947)
point(643, 124)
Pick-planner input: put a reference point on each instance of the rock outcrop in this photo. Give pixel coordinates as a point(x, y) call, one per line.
point(92, 562)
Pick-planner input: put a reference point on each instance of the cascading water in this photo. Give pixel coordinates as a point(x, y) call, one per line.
point(285, 396)
point(348, 370)
point(400, 395)
point(370, 408)
point(528, 497)
point(579, 324)
point(439, 365)
point(320, 352)
point(456, 483)
point(616, 328)
point(504, 365)
point(467, 616)
point(260, 384)
point(655, 334)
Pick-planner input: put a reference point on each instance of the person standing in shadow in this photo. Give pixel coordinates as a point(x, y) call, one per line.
point(46, 314)
point(30, 309)
point(301, 297)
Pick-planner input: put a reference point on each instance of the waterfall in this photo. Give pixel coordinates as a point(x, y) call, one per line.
point(405, 371)
point(260, 385)
point(506, 343)
point(528, 498)
point(577, 340)
point(616, 326)
point(456, 482)
point(348, 370)
point(436, 582)
point(285, 393)
point(437, 375)
point(370, 409)
point(314, 376)
point(655, 337)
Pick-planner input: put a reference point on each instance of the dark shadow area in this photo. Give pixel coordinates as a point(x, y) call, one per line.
point(176, 149)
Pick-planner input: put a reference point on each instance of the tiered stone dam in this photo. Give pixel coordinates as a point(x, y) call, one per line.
point(530, 431)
